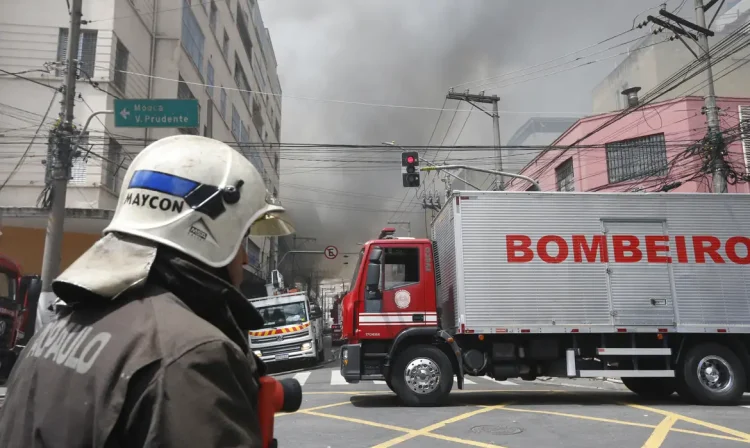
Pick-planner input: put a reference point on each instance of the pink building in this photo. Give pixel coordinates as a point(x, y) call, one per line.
point(645, 151)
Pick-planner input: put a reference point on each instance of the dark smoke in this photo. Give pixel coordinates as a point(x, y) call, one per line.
point(409, 52)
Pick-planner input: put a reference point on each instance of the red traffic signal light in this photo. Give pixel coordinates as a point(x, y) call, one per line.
point(410, 159)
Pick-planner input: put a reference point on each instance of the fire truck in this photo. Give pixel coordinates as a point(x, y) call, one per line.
point(649, 288)
point(19, 296)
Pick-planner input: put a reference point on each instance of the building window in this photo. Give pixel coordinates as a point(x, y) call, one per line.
point(277, 128)
point(115, 170)
point(184, 92)
point(121, 66)
point(401, 267)
point(236, 124)
point(210, 79)
point(192, 36)
point(637, 158)
point(257, 118)
point(212, 17)
point(564, 176)
point(225, 46)
point(242, 84)
point(78, 168)
point(86, 51)
point(223, 103)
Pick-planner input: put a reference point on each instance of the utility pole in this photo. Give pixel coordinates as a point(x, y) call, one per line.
point(712, 112)
point(486, 99)
point(716, 141)
point(403, 223)
point(66, 141)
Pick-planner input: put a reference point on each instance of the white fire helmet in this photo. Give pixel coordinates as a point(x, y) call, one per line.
point(198, 196)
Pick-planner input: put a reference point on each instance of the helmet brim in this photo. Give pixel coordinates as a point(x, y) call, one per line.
point(272, 222)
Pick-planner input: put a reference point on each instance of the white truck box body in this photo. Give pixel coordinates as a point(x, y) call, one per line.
point(482, 290)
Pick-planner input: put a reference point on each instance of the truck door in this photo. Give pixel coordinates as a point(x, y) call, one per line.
point(638, 274)
point(403, 290)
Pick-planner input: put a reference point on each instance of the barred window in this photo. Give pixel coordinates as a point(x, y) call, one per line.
point(564, 176)
point(637, 158)
point(242, 84)
point(86, 51)
point(192, 36)
point(121, 66)
point(257, 118)
point(225, 46)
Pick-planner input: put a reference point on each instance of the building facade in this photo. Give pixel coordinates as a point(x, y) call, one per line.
point(216, 51)
point(652, 60)
point(657, 149)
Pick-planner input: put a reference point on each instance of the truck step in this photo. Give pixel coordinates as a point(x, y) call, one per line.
point(375, 355)
point(633, 351)
point(626, 373)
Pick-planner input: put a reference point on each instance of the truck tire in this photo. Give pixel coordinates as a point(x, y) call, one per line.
point(711, 374)
point(651, 388)
point(422, 376)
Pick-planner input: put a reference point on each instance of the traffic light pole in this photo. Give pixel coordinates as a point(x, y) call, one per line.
point(482, 170)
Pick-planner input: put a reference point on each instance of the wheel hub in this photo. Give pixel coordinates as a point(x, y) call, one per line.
point(715, 374)
point(422, 375)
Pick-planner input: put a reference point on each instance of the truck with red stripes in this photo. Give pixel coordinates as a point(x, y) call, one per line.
point(649, 288)
point(293, 329)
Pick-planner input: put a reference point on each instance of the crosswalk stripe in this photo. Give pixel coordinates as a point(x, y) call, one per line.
point(302, 377)
point(337, 379)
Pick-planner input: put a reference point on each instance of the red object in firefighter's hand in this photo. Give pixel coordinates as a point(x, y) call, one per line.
point(276, 396)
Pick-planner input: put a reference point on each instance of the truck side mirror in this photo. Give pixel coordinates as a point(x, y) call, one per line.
point(373, 295)
point(375, 255)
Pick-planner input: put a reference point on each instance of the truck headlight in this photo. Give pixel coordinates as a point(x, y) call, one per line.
point(258, 353)
point(345, 354)
point(306, 346)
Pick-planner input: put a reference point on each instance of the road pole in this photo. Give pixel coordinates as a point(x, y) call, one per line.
point(60, 170)
point(498, 153)
point(712, 112)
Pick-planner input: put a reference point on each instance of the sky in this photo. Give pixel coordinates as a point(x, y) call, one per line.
point(410, 53)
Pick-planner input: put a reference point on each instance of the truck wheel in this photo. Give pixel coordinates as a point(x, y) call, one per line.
point(390, 385)
point(711, 374)
point(422, 376)
point(651, 388)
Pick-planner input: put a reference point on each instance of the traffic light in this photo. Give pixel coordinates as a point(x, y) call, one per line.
point(410, 168)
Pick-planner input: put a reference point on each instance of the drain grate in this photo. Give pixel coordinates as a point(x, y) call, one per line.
point(497, 430)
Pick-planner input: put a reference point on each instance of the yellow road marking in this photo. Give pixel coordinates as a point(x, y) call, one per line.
point(428, 429)
point(739, 434)
point(660, 432)
point(325, 406)
point(626, 423)
point(400, 429)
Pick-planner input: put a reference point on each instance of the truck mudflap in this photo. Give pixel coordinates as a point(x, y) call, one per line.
point(427, 331)
point(351, 356)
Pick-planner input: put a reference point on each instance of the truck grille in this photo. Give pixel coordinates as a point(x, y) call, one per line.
point(282, 348)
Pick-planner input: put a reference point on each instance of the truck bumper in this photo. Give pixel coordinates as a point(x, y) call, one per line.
point(288, 356)
point(351, 362)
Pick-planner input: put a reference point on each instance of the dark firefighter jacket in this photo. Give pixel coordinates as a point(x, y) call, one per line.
point(165, 365)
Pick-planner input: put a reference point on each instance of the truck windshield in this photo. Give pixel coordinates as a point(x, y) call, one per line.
point(280, 315)
point(356, 269)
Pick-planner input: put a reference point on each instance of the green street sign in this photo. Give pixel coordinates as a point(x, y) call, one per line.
point(156, 113)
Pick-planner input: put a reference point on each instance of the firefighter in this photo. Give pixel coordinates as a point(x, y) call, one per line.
point(149, 346)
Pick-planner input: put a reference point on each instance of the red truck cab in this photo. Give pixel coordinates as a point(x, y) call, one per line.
point(392, 298)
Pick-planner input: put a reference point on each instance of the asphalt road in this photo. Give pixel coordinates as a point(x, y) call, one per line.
point(487, 413)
